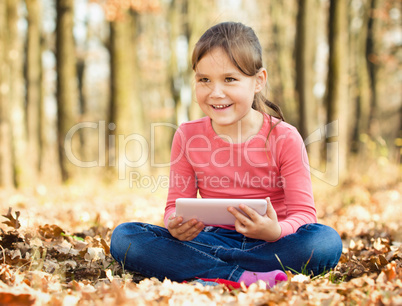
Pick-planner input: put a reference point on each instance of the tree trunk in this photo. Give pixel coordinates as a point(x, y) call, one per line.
point(337, 86)
point(305, 56)
point(16, 98)
point(84, 134)
point(6, 168)
point(282, 66)
point(34, 85)
point(360, 91)
point(372, 53)
point(126, 114)
point(67, 109)
point(198, 15)
point(175, 17)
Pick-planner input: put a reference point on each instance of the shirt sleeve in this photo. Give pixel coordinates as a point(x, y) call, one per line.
point(295, 173)
point(182, 181)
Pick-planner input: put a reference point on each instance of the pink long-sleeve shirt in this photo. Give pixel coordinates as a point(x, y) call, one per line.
point(278, 168)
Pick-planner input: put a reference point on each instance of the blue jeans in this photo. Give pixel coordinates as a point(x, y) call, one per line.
point(221, 253)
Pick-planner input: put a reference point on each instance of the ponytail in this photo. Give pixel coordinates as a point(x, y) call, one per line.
point(261, 104)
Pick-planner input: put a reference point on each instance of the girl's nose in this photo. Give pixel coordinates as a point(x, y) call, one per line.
point(217, 92)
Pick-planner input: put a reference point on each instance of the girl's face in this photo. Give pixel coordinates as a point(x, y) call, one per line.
point(224, 93)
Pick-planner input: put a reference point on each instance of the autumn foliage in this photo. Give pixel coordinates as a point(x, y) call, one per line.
point(114, 9)
point(55, 250)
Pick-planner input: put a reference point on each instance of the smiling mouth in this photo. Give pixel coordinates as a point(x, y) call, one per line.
point(221, 106)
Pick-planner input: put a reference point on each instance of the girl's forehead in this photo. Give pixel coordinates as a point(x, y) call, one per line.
point(218, 58)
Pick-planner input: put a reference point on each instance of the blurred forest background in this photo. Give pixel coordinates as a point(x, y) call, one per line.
point(97, 88)
point(92, 91)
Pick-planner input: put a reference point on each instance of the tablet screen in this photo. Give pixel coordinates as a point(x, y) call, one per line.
point(214, 211)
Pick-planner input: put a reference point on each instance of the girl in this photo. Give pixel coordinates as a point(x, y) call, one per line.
point(237, 151)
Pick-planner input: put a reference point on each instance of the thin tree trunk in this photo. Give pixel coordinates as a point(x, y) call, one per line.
point(16, 98)
point(34, 84)
point(360, 89)
point(120, 80)
point(126, 115)
point(198, 15)
point(139, 123)
point(372, 62)
point(83, 108)
point(67, 109)
point(85, 135)
point(6, 169)
point(337, 86)
point(305, 56)
point(283, 65)
point(175, 16)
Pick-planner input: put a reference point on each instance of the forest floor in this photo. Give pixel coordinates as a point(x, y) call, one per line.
point(55, 249)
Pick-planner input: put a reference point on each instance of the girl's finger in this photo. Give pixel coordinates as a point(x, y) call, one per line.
point(187, 226)
point(240, 227)
point(193, 231)
point(242, 219)
point(193, 228)
point(175, 222)
point(251, 213)
point(238, 215)
point(271, 213)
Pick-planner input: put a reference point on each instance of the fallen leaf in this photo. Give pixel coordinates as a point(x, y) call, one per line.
point(105, 246)
point(13, 222)
point(94, 254)
point(50, 231)
point(66, 248)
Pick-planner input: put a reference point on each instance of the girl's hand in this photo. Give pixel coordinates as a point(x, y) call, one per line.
point(184, 231)
point(255, 226)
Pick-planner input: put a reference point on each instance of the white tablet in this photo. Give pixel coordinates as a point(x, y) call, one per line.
point(214, 211)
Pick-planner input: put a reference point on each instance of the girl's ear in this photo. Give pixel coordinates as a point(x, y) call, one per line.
point(261, 76)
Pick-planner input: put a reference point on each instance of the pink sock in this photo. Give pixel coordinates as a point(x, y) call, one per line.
point(272, 278)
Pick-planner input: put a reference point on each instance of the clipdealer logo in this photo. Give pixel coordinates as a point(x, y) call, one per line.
point(203, 181)
point(331, 173)
point(116, 148)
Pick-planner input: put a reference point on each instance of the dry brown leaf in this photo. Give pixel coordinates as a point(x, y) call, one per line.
point(50, 231)
point(13, 222)
point(383, 260)
point(105, 246)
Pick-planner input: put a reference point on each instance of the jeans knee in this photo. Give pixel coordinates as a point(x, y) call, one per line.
point(324, 245)
point(324, 237)
point(119, 242)
point(333, 242)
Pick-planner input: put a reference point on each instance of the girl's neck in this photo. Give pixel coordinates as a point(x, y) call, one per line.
point(242, 130)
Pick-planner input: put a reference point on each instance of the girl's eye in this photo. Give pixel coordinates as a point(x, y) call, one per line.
point(229, 79)
point(203, 80)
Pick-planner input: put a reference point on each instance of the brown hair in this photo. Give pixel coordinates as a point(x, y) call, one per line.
point(244, 50)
